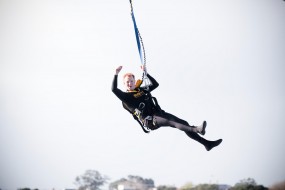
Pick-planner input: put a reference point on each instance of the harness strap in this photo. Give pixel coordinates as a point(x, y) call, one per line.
point(145, 120)
point(146, 130)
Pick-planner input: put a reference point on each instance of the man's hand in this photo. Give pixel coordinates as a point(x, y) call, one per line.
point(118, 69)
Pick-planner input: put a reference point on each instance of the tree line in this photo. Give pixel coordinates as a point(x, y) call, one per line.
point(94, 180)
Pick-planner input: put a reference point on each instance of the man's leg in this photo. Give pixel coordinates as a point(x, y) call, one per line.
point(193, 135)
point(168, 120)
point(208, 144)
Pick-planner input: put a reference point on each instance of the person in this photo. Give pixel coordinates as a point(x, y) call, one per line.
point(145, 109)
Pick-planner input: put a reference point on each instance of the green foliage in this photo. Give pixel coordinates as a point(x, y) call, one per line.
point(164, 187)
point(187, 186)
point(206, 187)
point(248, 184)
point(249, 187)
point(248, 181)
point(138, 179)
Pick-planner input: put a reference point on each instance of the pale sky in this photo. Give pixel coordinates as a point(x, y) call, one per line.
point(221, 61)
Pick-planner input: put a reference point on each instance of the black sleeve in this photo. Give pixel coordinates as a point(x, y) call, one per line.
point(154, 83)
point(120, 94)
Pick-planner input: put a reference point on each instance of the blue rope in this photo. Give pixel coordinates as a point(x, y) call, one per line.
point(137, 34)
point(140, 48)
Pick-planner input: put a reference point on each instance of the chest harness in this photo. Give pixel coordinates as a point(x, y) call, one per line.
point(143, 113)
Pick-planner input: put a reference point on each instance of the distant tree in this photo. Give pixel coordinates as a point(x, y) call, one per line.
point(206, 187)
point(248, 184)
point(164, 187)
point(26, 188)
point(91, 180)
point(149, 183)
point(187, 186)
point(247, 181)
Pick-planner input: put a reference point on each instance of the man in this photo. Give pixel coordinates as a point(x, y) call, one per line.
point(139, 102)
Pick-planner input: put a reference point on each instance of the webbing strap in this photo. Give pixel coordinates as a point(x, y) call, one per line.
point(137, 37)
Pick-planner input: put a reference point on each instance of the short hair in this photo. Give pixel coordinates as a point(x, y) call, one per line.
point(129, 75)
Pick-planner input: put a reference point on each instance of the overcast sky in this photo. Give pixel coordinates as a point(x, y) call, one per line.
point(222, 61)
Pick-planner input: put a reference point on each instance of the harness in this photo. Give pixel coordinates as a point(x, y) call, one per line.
point(143, 114)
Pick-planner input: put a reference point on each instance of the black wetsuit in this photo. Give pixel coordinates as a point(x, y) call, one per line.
point(132, 101)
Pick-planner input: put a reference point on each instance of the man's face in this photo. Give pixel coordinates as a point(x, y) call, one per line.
point(130, 83)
